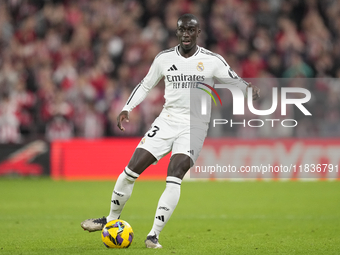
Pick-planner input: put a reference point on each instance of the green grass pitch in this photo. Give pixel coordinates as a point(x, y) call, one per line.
point(41, 216)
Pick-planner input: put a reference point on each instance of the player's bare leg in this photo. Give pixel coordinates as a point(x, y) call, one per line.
point(139, 161)
point(179, 165)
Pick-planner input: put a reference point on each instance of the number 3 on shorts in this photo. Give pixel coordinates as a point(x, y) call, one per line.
point(152, 132)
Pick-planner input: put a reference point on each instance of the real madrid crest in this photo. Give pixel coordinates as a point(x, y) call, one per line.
point(143, 141)
point(200, 66)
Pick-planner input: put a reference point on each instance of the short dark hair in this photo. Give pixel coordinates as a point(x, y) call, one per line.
point(189, 16)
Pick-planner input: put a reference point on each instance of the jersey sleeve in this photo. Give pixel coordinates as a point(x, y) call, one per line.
point(224, 74)
point(142, 89)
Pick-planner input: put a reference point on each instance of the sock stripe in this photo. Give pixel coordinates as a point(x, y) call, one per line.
point(173, 182)
point(130, 175)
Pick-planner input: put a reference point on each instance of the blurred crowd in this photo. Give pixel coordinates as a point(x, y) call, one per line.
point(67, 67)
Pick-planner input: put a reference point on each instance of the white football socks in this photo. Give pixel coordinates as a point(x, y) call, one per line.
point(121, 193)
point(166, 204)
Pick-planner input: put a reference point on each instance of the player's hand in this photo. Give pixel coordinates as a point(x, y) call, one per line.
point(124, 115)
point(256, 91)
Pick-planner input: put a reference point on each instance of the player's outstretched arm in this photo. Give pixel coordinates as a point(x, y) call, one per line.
point(256, 91)
point(124, 115)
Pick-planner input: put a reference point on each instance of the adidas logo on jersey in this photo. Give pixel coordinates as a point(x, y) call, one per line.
point(172, 68)
point(191, 152)
point(160, 218)
point(116, 202)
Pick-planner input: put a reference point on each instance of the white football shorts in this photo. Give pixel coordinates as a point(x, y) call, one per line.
point(166, 135)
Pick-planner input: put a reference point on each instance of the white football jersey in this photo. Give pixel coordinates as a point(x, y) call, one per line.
point(186, 81)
